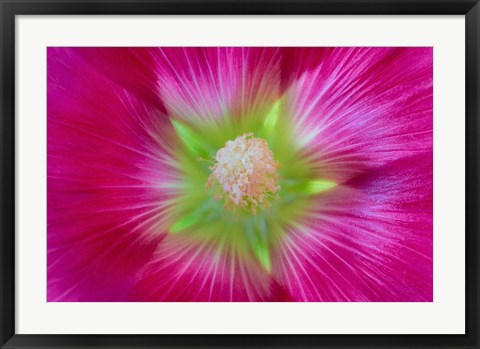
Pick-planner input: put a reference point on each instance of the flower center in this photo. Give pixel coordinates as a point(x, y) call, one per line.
point(245, 174)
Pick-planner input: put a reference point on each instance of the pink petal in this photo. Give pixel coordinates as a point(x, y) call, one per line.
point(361, 107)
point(129, 67)
point(365, 118)
point(104, 169)
point(215, 82)
point(189, 271)
point(370, 240)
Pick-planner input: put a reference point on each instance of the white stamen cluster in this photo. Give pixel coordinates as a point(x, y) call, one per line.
point(245, 174)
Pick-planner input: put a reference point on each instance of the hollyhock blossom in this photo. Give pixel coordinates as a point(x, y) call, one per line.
point(240, 174)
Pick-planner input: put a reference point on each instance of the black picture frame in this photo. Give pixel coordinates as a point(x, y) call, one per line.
point(10, 8)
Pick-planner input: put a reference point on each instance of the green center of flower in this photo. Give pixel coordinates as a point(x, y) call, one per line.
point(245, 174)
point(232, 172)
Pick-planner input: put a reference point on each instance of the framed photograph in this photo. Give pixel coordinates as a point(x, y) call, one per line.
point(227, 173)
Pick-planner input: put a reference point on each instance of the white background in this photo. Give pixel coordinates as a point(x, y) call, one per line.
point(445, 315)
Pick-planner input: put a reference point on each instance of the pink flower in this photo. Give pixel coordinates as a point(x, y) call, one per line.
point(240, 174)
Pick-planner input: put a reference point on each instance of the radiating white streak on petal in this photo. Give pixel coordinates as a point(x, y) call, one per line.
point(78, 179)
point(338, 257)
point(289, 244)
point(251, 102)
point(132, 186)
point(367, 115)
point(67, 292)
point(207, 248)
point(336, 148)
point(377, 235)
point(246, 281)
point(301, 113)
point(140, 119)
point(244, 79)
point(222, 274)
point(232, 271)
point(333, 78)
point(368, 270)
point(202, 249)
point(172, 252)
point(130, 207)
point(220, 81)
point(254, 279)
point(215, 262)
point(283, 270)
point(214, 82)
point(172, 281)
point(352, 97)
point(375, 129)
point(213, 265)
point(303, 234)
point(193, 77)
point(178, 101)
point(172, 258)
point(255, 101)
point(299, 250)
point(289, 271)
point(100, 234)
point(161, 216)
point(345, 167)
point(163, 153)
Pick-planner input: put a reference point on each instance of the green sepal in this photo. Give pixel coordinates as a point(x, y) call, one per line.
point(191, 139)
point(271, 119)
point(185, 222)
point(263, 254)
point(205, 213)
point(317, 186)
point(256, 229)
